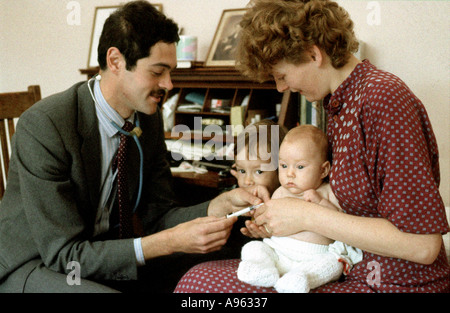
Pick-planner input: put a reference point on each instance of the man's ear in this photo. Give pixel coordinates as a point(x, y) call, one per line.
point(326, 167)
point(114, 60)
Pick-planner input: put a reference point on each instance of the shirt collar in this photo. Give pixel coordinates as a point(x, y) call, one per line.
point(106, 113)
point(333, 102)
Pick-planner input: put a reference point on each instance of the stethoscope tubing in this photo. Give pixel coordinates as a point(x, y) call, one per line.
point(129, 134)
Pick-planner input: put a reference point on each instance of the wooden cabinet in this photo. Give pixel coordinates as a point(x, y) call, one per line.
point(207, 85)
point(212, 83)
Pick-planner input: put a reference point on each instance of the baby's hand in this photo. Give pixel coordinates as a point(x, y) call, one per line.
point(312, 196)
point(233, 171)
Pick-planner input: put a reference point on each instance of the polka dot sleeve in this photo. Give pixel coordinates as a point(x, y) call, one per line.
point(401, 146)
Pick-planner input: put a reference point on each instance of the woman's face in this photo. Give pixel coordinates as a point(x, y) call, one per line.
point(306, 78)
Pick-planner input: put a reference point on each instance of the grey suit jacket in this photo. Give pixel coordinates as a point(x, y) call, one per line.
point(49, 207)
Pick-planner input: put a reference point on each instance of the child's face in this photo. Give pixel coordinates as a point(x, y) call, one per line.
point(249, 173)
point(300, 166)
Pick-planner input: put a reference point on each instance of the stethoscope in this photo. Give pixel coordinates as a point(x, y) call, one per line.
point(135, 133)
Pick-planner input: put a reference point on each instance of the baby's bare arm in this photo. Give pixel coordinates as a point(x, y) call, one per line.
point(312, 195)
point(281, 192)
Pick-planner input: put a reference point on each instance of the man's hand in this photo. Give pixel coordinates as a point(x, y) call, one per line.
point(202, 235)
point(237, 199)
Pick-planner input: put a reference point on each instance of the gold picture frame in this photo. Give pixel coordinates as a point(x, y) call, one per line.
point(223, 47)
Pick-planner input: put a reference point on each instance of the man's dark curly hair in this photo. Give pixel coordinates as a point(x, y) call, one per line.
point(134, 29)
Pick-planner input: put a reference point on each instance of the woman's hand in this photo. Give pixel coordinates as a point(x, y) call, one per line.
point(254, 231)
point(279, 217)
point(287, 216)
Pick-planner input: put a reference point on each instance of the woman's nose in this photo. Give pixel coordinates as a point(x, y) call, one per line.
point(281, 86)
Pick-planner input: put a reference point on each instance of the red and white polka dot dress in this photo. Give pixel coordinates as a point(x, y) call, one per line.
point(216, 277)
point(385, 164)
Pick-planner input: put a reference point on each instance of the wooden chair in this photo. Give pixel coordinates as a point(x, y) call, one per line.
point(12, 105)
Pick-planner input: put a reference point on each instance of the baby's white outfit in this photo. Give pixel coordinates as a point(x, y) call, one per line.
point(292, 265)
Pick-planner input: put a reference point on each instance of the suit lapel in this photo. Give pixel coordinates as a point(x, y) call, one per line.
point(90, 145)
point(90, 150)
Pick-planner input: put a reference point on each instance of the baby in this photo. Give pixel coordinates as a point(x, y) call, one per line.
point(304, 260)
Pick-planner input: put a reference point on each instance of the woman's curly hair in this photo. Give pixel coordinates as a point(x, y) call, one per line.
point(273, 30)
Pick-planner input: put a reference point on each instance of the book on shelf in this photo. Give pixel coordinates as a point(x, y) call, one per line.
point(189, 150)
point(182, 64)
point(237, 119)
point(195, 104)
point(312, 113)
point(190, 107)
point(221, 105)
point(195, 97)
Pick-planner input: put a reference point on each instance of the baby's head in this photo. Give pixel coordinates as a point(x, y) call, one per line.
point(256, 155)
point(303, 162)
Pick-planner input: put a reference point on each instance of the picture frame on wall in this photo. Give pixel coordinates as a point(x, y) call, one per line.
point(223, 47)
point(100, 16)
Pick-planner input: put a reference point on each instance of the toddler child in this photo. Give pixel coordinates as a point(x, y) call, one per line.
point(256, 155)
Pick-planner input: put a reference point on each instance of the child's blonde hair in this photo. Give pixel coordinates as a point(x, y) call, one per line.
point(252, 140)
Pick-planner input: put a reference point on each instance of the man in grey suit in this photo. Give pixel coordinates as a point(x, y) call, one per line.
point(56, 217)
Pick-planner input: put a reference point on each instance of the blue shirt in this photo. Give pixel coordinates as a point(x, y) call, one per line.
point(109, 142)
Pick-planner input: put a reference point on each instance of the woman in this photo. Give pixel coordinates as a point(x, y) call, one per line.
point(385, 170)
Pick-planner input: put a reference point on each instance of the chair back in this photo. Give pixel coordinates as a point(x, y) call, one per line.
point(12, 105)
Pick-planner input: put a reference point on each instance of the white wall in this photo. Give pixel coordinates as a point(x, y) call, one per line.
point(407, 38)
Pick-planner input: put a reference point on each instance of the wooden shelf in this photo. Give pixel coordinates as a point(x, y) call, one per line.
point(216, 82)
point(91, 71)
point(196, 137)
point(228, 83)
point(209, 179)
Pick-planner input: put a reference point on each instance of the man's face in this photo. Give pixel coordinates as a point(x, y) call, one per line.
point(144, 87)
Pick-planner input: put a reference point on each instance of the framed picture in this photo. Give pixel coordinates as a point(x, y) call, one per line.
point(100, 16)
point(223, 48)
